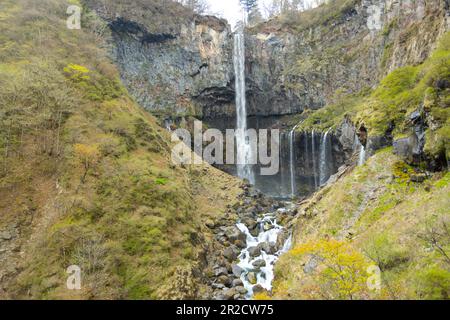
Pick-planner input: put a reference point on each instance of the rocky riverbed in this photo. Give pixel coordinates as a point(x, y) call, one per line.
point(250, 246)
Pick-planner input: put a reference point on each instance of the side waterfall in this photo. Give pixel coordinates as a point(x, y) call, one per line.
point(314, 159)
point(243, 146)
point(362, 155)
point(324, 158)
point(292, 160)
point(358, 146)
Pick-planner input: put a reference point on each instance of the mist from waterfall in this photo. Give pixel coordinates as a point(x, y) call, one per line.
point(243, 147)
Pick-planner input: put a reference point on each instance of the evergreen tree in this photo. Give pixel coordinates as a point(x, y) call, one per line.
point(249, 5)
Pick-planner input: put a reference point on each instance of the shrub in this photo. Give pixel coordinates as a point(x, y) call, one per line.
point(341, 271)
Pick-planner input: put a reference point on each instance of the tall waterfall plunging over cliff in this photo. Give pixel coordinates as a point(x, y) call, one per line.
point(243, 146)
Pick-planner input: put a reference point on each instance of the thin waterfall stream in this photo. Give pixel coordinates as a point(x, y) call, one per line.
point(292, 160)
point(243, 146)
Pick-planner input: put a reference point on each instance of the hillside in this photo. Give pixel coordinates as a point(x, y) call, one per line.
point(86, 175)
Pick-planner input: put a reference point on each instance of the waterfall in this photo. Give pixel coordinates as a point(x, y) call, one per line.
point(362, 155)
point(314, 159)
point(306, 156)
point(357, 145)
point(292, 160)
point(168, 124)
point(244, 150)
point(324, 159)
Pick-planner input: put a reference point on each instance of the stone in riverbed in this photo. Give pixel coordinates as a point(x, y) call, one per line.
point(233, 234)
point(254, 251)
point(259, 263)
point(231, 253)
point(251, 277)
point(241, 290)
point(254, 232)
point(249, 222)
point(258, 289)
point(240, 244)
point(229, 294)
point(269, 248)
point(237, 271)
point(237, 283)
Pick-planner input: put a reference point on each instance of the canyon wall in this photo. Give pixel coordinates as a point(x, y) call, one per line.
point(301, 62)
point(176, 63)
point(173, 62)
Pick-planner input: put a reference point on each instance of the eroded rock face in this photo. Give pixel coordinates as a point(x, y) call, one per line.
point(185, 67)
point(183, 73)
point(289, 71)
point(173, 62)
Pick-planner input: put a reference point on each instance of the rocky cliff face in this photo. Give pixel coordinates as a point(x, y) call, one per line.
point(303, 62)
point(183, 66)
point(172, 66)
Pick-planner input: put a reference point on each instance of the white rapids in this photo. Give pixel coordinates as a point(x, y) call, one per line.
point(269, 231)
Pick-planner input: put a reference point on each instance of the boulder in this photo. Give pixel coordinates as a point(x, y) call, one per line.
point(251, 277)
point(254, 251)
point(250, 222)
point(220, 271)
point(259, 263)
point(233, 234)
point(229, 294)
point(258, 289)
point(240, 244)
point(237, 283)
point(241, 290)
point(5, 235)
point(269, 248)
point(231, 253)
point(237, 271)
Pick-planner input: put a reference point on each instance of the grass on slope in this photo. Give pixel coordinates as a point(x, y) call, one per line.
point(86, 174)
point(377, 216)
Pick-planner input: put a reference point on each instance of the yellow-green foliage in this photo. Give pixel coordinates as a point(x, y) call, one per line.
point(341, 271)
point(399, 225)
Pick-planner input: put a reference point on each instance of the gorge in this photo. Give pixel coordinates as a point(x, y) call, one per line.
point(359, 90)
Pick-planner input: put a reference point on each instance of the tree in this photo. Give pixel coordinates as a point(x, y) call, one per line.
point(88, 155)
point(248, 5)
point(198, 6)
point(339, 272)
point(255, 16)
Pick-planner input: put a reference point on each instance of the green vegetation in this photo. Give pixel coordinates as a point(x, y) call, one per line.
point(299, 21)
point(378, 212)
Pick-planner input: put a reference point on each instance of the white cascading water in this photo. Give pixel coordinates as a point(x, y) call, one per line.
point(292, 160)
point(243, 147)
point(269, 231)
point(362, 155)
point(324, 174)
point(358, 146)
